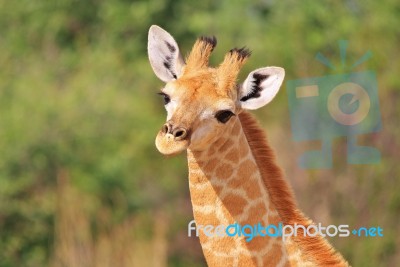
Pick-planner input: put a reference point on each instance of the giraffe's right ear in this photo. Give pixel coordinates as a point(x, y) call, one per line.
point(164, 55)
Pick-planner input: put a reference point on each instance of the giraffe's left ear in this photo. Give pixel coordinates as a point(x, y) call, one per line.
point(260, 87)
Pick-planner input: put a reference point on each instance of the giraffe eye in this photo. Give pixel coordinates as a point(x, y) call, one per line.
point(224, 115)
point(166, 98)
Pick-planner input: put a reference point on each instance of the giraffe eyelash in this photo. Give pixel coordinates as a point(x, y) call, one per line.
point(167, 99)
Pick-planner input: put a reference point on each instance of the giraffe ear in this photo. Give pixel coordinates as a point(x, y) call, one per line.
point(164, 55)
point(260, 87)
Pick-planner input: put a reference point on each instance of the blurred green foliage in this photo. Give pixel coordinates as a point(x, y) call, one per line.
point(78, 103)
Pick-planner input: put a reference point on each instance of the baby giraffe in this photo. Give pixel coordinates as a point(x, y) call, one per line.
point(233, 176)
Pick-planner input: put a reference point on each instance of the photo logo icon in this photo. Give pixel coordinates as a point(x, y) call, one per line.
point(324, 108)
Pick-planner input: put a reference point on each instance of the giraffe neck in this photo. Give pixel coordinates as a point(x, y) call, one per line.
point(226, 187)
point(236, 180)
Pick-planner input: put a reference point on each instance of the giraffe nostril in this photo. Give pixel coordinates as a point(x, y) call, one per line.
point(179, 133)
point(165, 128)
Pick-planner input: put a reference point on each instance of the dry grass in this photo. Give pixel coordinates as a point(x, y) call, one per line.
point(76, 245)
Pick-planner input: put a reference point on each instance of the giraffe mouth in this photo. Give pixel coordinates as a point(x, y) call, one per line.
point(169, 146)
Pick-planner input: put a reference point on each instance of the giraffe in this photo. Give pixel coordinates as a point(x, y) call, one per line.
point(233, 176)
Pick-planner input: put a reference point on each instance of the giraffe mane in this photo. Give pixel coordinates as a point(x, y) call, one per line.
point(282, 197)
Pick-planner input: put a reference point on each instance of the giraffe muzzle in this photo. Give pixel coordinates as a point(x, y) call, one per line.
point(172, 140)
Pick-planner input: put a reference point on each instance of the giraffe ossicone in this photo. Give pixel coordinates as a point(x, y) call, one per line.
point(233, 176)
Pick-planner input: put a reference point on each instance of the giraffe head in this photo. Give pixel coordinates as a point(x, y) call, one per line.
point(202, 102)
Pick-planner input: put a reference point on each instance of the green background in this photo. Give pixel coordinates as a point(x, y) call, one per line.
point(81, 182)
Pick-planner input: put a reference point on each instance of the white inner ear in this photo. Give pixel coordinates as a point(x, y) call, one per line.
point(260, 87)
point(164, 55)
